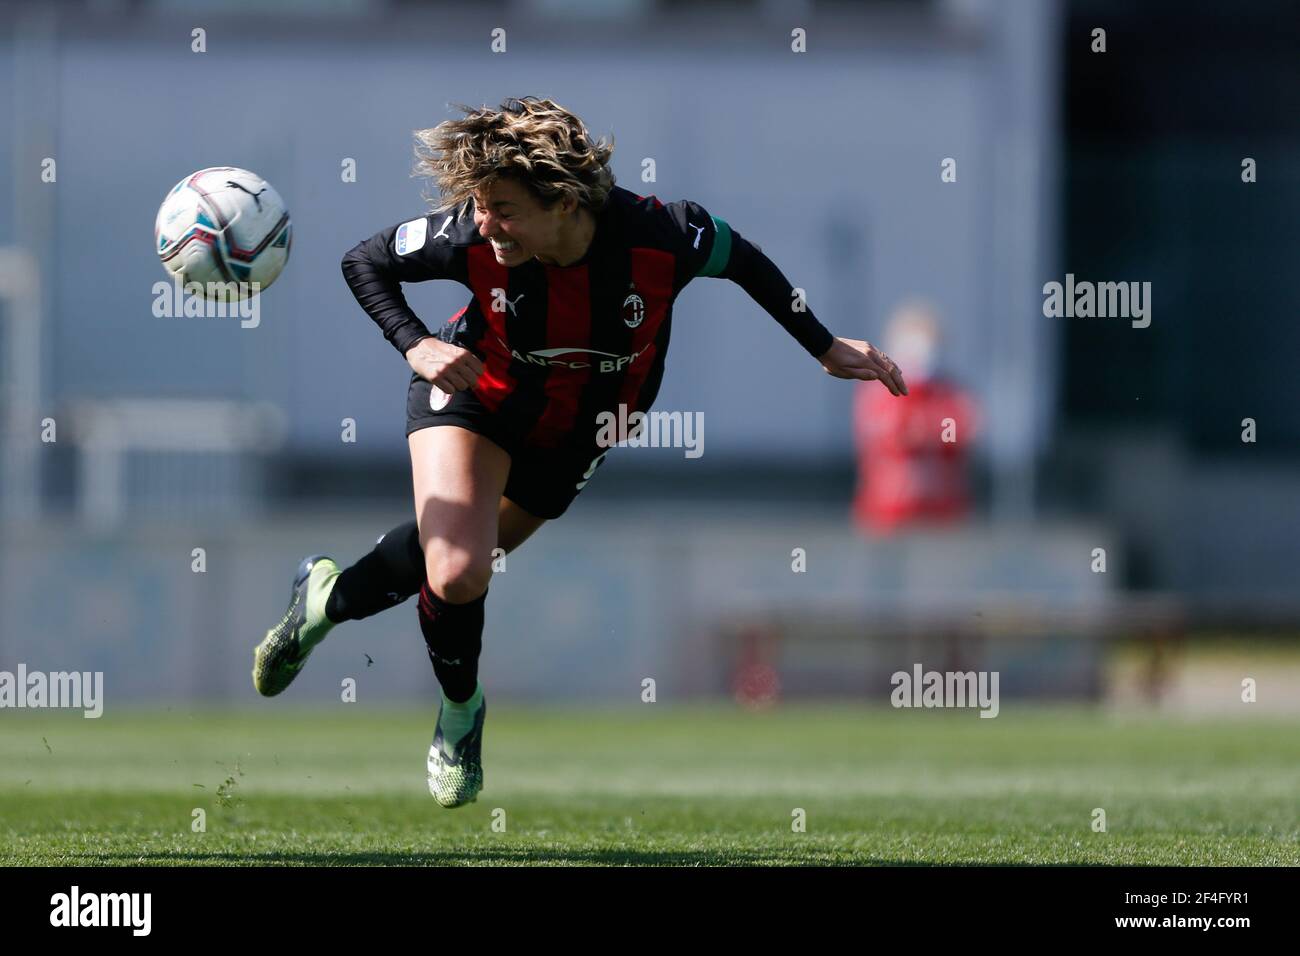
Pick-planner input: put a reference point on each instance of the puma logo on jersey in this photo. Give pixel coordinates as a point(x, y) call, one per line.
point(500, 302)
point(442, 232)
point(699, 231)
point(591, 470)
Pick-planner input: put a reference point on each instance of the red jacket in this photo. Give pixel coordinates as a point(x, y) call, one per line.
point(907, 470)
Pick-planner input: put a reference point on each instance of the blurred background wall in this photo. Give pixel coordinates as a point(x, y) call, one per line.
point(1115, 166)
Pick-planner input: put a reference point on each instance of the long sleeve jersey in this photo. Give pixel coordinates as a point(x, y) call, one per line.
point(561, 344)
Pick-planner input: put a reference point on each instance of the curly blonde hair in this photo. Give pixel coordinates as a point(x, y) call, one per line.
point(534, 141)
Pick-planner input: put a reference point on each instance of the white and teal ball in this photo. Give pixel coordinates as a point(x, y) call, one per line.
point(224, 225)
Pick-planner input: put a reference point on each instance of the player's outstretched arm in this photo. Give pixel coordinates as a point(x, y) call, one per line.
point(759, 276)
point(857, 358)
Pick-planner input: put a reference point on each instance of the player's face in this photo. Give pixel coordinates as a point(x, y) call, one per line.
point(518, 226)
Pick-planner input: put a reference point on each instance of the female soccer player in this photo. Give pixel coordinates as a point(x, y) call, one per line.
point(573, 281)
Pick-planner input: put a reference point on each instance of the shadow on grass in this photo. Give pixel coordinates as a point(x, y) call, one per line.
point(524, 856)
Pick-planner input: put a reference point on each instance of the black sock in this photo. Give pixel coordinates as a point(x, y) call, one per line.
point(387, 576)
point(453, 635)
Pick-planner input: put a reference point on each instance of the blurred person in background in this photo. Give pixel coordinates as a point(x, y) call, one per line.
point(912, 455)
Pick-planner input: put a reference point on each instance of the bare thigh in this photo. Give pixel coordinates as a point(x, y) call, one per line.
point(515, 525)
point(459, 478)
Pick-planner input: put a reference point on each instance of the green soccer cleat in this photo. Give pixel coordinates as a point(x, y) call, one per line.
point(456, 777)
point(284, 650)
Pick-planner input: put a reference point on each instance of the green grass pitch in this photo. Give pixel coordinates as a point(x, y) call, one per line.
point(655, 784)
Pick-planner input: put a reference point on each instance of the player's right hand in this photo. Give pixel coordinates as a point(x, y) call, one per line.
point(445, 366)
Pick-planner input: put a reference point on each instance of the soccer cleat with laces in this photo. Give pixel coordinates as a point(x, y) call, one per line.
point(284, 650)
point(456, 775)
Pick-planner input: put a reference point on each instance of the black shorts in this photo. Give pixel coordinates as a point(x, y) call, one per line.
point(543, 481)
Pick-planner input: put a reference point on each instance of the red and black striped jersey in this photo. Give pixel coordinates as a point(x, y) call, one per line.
point(561, 344)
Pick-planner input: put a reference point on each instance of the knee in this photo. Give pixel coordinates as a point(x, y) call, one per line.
point(455, 575)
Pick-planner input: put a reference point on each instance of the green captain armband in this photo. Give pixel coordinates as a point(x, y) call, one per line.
point(721, 253)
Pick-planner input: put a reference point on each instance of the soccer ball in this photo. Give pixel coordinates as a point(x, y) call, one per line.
point(223, 225)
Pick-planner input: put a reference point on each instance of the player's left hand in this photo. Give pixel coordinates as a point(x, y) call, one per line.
point(854, 358)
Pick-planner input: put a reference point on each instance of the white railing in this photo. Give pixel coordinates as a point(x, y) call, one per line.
point(218, 438)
